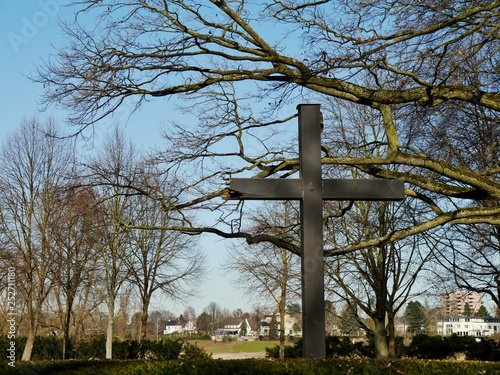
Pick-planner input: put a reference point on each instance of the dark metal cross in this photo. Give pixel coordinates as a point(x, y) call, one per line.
point(311, 190)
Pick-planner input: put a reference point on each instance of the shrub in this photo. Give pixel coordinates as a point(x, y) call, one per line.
point(484, 350)
point(94, 347)
point(167, 349)
point(191, 351)
point(126, 349)
point(335, 347)
point(429, 347)
point(163, 350)
point(44, 348)
point(337, 366)
point(294, 351)
point(438, 347)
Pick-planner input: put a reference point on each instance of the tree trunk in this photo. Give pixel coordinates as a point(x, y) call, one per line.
point(28, 348)
point(109, 330)
point(66, 341)
point(33, 328)
point(391, 333)
point(282, 335)
point(30, 340)
point(144, 321)
point(380, 339)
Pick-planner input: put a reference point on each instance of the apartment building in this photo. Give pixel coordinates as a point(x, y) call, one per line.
point(453, 304)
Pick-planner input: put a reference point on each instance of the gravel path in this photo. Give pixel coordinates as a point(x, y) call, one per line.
point(238, 355)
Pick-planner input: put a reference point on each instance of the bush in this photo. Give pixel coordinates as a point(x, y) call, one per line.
point(335, 347)
point(163, 350)
point(44, 348)
point(439, 347)
point(91, 348)
point(344, 347)
point(484, 350)
point(50, 348)
point(337, 366)
point(429, 347)
point(294, 351)
point(126, 349)
point(191, 351)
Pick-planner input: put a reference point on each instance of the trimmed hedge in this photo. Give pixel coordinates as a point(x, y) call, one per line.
point(251, 367)
point(336, 347)
point(421, 347)
point(50, 348)
point(439, 347)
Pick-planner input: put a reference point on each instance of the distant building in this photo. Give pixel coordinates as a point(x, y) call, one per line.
point(234, 327)
point(453, 304)
point(175, 326)
point(292, 326)
point(466, 326)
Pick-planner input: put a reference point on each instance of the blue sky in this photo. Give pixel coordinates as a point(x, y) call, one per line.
point(29, 30)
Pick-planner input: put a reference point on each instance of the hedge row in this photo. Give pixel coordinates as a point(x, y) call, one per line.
point(251, 367)
point(51, 348)
point(421, 347)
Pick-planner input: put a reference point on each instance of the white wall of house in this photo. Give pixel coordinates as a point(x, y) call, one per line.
point(174, 327)
point(290, 322)
point(233, 329)
point(464, 326)
point(170, 329)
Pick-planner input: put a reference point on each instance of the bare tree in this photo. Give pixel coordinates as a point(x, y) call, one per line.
point(189, 314)
point(160, 260)
point(437, 57)
point(267, 271)
point(74, 242)
point(377, 281)
point(470, 255)
point(33, 177)
point(159, 320)
point(109, 174)
point(213, 317)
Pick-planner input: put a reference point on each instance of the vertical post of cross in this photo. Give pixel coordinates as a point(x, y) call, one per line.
point(313, 307)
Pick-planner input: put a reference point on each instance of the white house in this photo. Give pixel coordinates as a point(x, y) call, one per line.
point(174, 326)
point(291, 325)
point(463, 326)
point(233, 327)
point(189, 328)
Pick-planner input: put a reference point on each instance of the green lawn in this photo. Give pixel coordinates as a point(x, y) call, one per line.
point(234, 347)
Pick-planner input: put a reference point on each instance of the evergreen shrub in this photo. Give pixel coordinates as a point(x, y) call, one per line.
point(335, 366)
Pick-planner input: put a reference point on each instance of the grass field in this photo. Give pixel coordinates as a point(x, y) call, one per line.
point(235, 346)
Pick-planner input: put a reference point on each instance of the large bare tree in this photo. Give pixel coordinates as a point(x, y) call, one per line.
point(109, 173)
point(33, 178)
point(267, 271)
point(441, 56)
point(160, 260)
point(376, 281)
point(75, 237)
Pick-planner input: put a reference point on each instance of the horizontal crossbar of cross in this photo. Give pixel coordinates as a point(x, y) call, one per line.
point(333, 189)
